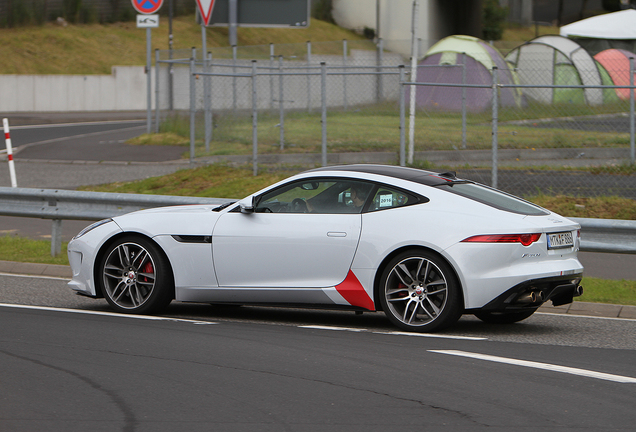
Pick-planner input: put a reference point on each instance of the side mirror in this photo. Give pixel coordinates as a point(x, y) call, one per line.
point(247, 205)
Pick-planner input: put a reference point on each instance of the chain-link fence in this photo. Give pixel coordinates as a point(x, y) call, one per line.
point(560, 125)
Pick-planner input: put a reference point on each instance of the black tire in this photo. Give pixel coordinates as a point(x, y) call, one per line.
point(135, 276)
point(503, 317)
point(420, 292)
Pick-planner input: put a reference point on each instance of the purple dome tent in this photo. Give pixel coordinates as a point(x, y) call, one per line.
point(443, 64)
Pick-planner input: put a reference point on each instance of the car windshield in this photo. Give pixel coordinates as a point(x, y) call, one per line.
point(494, 198)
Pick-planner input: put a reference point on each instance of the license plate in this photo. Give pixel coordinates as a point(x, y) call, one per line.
point(560, 240)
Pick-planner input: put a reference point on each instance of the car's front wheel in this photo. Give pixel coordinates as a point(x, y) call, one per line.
point(419, 292)
point(136, 276)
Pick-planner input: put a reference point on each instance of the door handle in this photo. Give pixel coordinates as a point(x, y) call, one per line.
point(336, 234)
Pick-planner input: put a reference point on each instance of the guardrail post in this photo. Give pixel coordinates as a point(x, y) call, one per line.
point(56, 237)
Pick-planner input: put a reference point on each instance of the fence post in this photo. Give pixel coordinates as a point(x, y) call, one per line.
point(208, 100)
point(495, 114)
point(271, 77)
point(632, 151)
point(463, 100)
point(379, 90)
point(323, 103)
point(56, 237)
point(280, 103)
point(192, 106)
point(308, 76)
point(344, 77)
point(254, 122)
point(234, 78)
point(402, 87)
point(156, 90)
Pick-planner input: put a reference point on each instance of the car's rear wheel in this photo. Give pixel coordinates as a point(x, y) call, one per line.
point(136, 276)
point(503, 317)
point(419, 292)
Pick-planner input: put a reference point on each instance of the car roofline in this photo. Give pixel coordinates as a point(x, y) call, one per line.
point(429, 178)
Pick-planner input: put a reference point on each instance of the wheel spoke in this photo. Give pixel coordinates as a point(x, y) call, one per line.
point(406, 272)
point(432, 305)
point(431, 293)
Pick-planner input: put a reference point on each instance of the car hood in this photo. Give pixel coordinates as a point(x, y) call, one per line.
point(176, 220)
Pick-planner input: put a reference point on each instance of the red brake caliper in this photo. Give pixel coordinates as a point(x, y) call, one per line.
point(148, 269)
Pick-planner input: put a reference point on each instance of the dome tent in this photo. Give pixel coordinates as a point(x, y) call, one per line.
point(440, 66)
point(611, 30)
point(617, 64)
point(556, 60)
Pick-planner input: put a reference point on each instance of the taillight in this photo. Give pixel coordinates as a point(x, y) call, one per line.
point(524, 239)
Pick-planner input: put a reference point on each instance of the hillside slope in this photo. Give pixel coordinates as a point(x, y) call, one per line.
point(95, 48)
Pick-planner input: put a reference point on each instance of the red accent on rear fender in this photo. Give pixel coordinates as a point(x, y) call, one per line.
point(353, 292)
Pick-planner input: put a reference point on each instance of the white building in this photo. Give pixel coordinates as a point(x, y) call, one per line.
point(392, 20)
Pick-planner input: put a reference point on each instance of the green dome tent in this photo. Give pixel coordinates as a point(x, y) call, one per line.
point(556, 60)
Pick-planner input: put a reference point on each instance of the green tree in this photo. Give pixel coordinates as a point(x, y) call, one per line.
point(493, 19)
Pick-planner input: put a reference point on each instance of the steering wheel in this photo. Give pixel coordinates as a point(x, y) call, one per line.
point(299, 206)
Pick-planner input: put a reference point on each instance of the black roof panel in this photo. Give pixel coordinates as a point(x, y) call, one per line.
point(429, 178)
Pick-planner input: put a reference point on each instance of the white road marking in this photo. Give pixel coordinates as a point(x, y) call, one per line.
point(544, 366)
point(35, 276)
point(317, 327)
point(429, 335)
point(433, 335)
point(112, 314)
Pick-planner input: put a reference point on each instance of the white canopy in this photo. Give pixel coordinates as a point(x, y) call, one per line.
point(617, 25)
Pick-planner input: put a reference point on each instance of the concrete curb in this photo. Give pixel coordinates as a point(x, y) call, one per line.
point(576, 308)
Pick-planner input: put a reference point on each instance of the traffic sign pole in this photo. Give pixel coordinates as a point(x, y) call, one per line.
point(148, 79)
point(148, 7)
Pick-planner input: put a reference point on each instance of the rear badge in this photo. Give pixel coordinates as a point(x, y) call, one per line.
point(533, 255)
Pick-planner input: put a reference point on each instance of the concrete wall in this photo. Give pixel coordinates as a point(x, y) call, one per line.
point(123, 90)
point(436, 20)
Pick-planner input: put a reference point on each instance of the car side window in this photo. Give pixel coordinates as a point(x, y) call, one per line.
point(386, 198)
point(324, 196)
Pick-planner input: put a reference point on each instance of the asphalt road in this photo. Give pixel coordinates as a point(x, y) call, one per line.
point(267, 369)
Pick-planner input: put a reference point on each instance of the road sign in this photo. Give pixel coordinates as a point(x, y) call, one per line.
point(148, 21)
point(205, 8)
point(263, 13)
point(147, 6)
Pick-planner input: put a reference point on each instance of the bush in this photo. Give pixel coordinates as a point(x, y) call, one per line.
point(493, 19)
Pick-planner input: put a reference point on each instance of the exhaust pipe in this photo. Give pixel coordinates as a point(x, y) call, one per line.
point(530, 297)
point(578, 291)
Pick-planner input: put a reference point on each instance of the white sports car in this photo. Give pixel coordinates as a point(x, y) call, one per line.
point(423, 247)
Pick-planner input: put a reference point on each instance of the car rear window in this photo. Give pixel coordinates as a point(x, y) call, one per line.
point(494, 198)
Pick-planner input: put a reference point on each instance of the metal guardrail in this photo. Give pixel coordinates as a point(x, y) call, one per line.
point(597, 235)
point(59, 205)
point(607, 235)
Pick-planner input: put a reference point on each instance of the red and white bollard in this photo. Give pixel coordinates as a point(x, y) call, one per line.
point(7, 138)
